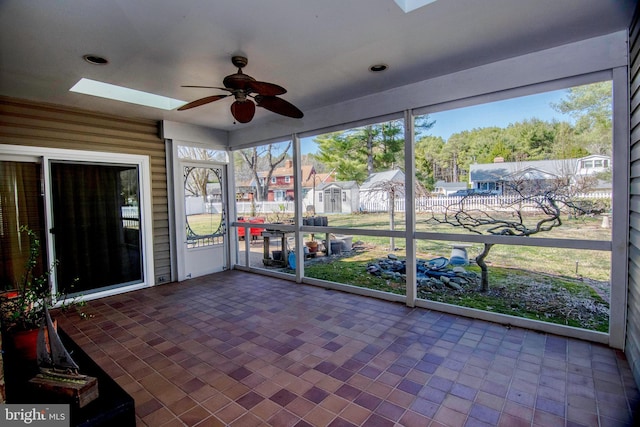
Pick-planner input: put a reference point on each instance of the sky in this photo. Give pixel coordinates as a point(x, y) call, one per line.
point(500, 114)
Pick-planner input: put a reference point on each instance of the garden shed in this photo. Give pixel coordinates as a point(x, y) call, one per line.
point(336, 197)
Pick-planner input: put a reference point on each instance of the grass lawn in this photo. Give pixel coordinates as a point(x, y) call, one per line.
point(204, 224)
point(590, 264)
point(556, 299)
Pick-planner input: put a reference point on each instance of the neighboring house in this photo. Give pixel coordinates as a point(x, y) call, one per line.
point(376, 190)
point(244, 192)
point(497, 176)
point(594, 166)
point(281, 187)
point(447, 188)
point(280, 183)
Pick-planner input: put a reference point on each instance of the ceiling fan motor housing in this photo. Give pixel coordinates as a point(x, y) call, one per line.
point(238, 81)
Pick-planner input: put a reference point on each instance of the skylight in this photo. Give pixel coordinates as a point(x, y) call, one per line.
point(119, 93)
point(411, 5)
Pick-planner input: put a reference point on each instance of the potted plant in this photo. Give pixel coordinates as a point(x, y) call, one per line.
point(312, 245)
point(22, 308)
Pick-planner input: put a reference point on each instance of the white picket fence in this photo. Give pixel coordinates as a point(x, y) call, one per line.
point(130, 216)
point(264, 208)
point(422, 204)
point(440, 204)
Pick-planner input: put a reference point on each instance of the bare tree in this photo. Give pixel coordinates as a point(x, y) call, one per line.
point(264, 158)
point(197, 179)
point(391, 190)
point(533, 206)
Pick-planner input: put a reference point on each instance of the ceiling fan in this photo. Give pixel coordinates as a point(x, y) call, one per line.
point(243, 87)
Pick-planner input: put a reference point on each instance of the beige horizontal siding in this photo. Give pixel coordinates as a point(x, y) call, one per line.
point(44, 125)
point(632, 344)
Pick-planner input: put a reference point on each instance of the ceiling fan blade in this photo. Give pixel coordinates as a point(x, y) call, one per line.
point(243, 111)
point(201, 101)
point(208, 87)
point(279, 106)
point(266, 89)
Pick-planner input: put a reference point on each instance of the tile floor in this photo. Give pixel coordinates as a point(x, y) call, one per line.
point(241, 349)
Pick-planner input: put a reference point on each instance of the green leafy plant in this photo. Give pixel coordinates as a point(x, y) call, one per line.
point(22, 308)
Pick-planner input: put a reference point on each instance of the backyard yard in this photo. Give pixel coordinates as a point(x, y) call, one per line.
point(558, 261)
point(565, 286)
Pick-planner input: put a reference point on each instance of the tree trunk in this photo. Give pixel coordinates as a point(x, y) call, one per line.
point(392, 220)
point(455, 168)
point(483, 266)
point(370, 169)
point(253, 205)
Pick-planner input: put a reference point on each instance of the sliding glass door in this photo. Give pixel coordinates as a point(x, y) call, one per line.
point(96, 225)
point(92, 212)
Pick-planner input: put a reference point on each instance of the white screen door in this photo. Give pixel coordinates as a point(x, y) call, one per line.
point(200, 218)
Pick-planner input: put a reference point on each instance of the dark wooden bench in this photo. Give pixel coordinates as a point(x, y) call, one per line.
point(114, 406)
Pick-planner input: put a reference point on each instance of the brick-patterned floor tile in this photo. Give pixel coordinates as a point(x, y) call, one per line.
point(243, 349)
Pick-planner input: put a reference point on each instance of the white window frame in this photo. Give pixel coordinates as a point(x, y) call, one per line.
point(618, 251)
point(279, 195)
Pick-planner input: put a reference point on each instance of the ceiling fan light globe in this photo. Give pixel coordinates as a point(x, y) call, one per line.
point(243, 111)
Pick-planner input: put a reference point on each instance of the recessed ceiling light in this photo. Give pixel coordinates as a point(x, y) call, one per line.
point(119, 93)
point(378, 68)
point(95, 59)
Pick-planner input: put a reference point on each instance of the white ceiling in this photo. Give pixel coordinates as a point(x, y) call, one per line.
point(320, 51)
